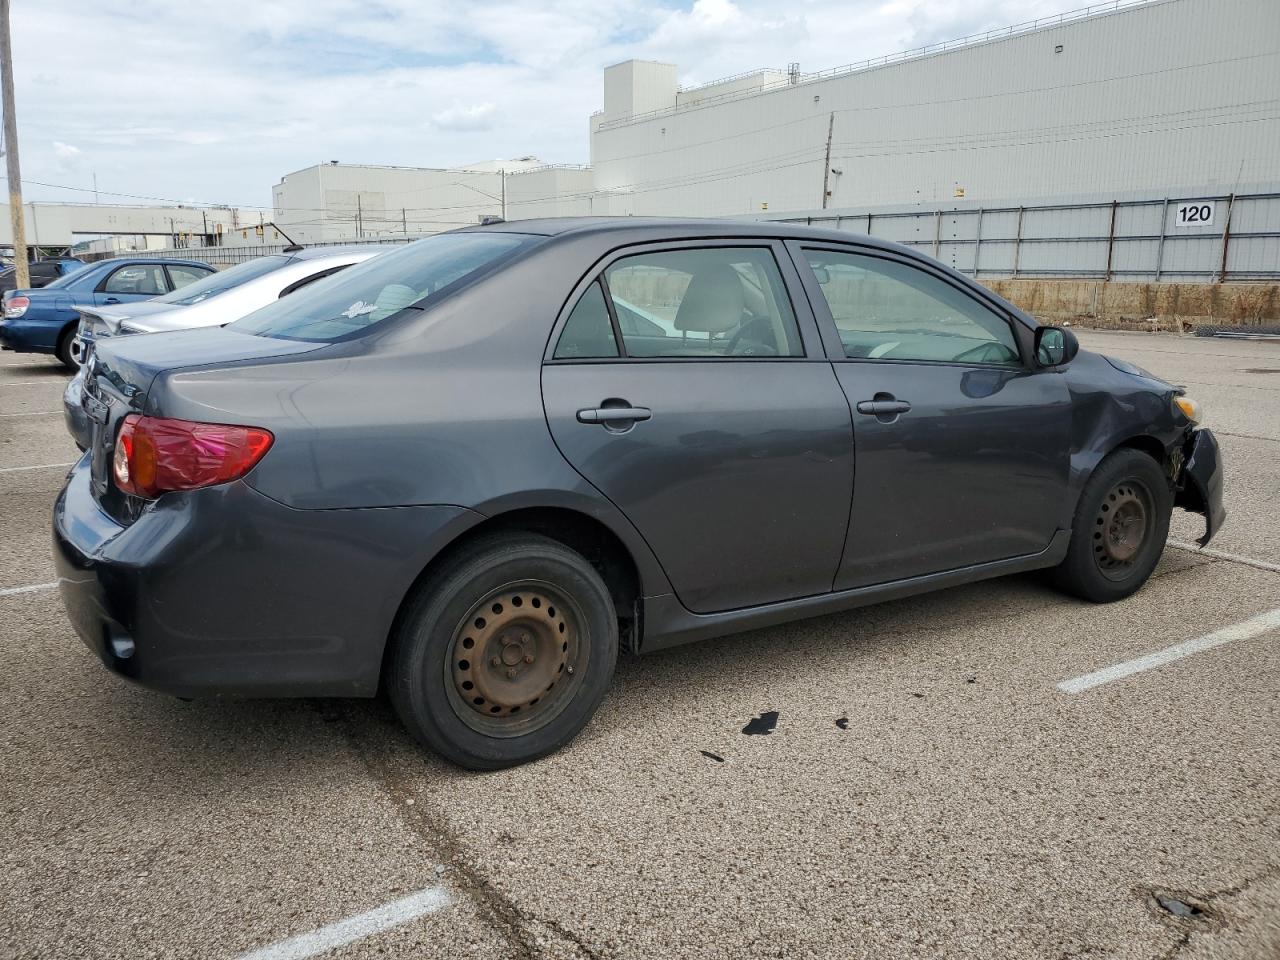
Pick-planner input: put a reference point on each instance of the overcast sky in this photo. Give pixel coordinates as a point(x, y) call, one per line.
point(214, 100)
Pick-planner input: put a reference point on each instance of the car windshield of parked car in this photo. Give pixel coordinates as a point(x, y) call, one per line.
point(348, 303)
point(221, 282)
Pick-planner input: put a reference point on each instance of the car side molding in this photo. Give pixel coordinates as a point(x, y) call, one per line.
point(669, 624)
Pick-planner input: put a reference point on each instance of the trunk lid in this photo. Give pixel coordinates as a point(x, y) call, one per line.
point(119, 375)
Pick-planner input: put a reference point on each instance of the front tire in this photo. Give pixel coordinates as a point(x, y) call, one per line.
point(1119, 531)
point(505, 654)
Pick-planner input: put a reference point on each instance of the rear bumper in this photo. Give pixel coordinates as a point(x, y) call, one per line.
point(24, 336)
point(224, 591)
point(1201, 482)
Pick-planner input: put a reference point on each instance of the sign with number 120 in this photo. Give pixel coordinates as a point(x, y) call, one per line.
point(1197, 214)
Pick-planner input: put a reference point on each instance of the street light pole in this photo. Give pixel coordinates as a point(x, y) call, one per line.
point(22, 274)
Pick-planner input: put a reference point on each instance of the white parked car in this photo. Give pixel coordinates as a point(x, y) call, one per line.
point(212, 301)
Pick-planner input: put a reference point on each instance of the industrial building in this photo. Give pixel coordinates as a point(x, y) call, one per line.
point(345, 201)
point(1132, 98)
point(1161, 96)
point(93, 228)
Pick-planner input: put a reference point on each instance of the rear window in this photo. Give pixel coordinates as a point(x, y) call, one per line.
point(347, 304)
point(216, 283)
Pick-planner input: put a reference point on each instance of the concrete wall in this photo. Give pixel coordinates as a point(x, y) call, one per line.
point(1178, 307)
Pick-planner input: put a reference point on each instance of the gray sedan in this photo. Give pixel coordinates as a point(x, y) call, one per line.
point(472, 470)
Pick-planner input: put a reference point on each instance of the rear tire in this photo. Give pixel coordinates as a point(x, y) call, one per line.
point(63, 350)
point(505, 653)
point(1119, 531)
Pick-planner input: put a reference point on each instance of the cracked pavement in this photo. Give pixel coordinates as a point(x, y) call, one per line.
point(967, 809)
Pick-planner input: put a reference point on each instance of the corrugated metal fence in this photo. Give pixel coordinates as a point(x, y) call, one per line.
point(1205, 238)
point(223, 257)
point(1212, 238)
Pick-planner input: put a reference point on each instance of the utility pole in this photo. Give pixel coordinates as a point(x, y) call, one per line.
point(359, 217)
point(404, 222)
point(826, 164)
point(204, 240)
point(503, 173)
point(22, 273)
point(95, 188)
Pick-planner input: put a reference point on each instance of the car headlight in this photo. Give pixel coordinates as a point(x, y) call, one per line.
point(1189, 408)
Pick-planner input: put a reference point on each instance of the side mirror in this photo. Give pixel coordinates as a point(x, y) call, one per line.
point(1055, 346)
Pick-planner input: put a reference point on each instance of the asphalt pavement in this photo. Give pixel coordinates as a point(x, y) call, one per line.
point(927, 788)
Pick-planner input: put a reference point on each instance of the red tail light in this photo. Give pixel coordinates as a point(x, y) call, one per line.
point(16, 306)
point(156, 454)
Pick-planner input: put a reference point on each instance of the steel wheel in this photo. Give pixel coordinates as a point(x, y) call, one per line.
point(516, 659)
point(1121, 526)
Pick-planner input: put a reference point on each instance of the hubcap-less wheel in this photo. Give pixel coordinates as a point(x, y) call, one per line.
point(516, 659)
point(1120, 528)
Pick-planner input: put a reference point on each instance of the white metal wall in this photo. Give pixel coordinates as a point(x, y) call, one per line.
point(1168, 95)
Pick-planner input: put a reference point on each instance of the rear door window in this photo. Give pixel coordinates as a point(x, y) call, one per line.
point(709, 302)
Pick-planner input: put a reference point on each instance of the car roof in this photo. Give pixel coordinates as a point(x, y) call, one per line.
point(129, 261)
point(313, 253)
point(658, 228)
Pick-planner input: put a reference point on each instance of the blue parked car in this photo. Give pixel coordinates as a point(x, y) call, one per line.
point(42, 272)
point(45, 320)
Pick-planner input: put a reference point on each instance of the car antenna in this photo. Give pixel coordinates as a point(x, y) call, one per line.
point(294, 246)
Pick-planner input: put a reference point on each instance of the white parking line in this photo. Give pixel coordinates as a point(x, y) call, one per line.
point(30, 383)
point(355, 928)
point(1220, 555)
point(33, 588)
point(37, 413)
point(38, 466)
point(1252, 627)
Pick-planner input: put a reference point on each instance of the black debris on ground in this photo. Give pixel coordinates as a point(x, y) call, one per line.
point(763, 724)
point(712, 756)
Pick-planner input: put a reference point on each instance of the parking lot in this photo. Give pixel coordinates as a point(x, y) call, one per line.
point(929, 790)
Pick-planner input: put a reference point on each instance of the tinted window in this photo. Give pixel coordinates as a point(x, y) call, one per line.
point(210, 285)
point(45, 271)
point(347, 304)
point(588, 332)
point(144, 279)
point(716, 302)
point(887, 310)
point(185, 276)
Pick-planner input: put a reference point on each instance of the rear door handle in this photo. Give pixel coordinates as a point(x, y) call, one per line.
point(882, 407)
point(614, 414)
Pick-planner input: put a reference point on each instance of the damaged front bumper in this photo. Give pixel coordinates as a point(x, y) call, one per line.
point(1199, 483)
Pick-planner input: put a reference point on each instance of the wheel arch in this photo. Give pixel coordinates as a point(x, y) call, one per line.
point(581, 532)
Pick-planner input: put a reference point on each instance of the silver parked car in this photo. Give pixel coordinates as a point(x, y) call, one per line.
point(213, 301)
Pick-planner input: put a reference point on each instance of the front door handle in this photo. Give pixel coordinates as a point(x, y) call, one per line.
point(609, 415)
point(111, 300)
point(881, 408)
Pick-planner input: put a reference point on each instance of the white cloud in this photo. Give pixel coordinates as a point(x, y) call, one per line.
point(457, 117)
point(219, 100)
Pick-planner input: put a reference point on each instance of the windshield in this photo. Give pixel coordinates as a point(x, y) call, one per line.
point(221, 282)
point(347, 304)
